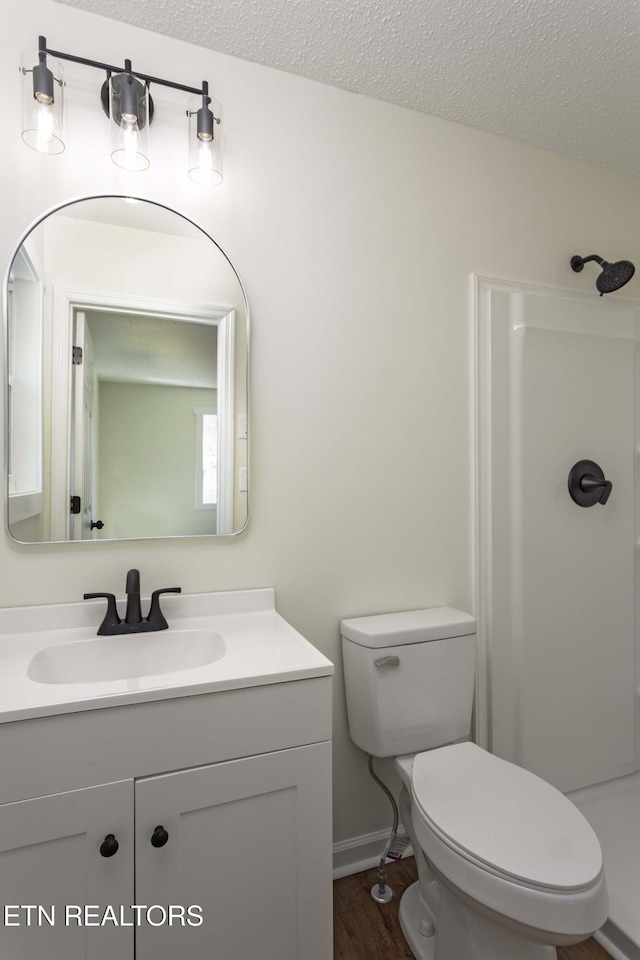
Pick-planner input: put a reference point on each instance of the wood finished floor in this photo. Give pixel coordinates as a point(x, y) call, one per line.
point(364, 930)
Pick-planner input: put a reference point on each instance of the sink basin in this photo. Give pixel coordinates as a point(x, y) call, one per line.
point(125, 657)
point(53, 663)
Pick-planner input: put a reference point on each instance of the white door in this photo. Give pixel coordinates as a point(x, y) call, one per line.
point(82, 430)
point(249, 845)
point(50, 858)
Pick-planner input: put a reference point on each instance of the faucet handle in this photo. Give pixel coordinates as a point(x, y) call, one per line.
point(111, 618)
point(155, 613)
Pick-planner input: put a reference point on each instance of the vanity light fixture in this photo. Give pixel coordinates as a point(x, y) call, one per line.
point(42, 101)
point(126, 100)
point(205, 160)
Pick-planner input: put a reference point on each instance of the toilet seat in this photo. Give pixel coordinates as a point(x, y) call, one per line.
point(557, 906)
point(504, 819)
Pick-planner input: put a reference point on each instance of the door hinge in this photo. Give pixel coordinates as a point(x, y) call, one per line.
point(76, 506)
point(76, 356)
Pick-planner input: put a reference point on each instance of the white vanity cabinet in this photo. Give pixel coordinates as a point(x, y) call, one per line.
point(247, 843)
point(50, 863)
point(240, 782)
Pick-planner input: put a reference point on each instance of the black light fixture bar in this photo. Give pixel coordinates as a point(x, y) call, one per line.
point(109, 68)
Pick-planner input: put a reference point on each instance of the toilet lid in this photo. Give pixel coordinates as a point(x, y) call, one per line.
point(503, 816)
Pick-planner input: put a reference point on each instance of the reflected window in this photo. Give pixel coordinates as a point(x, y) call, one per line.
point(206, 458)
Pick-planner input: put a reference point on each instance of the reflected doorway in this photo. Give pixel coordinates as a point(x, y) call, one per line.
point(143, 387)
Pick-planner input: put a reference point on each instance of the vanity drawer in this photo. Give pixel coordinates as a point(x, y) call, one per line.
point(52, 754)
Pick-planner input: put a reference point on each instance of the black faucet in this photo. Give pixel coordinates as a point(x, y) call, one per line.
point(133, 622)
point(134, 611)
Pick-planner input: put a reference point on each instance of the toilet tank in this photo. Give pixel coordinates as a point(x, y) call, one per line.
point(409, 679)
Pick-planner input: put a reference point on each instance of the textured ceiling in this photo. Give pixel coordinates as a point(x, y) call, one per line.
point(132, 348)
point(135, 215)
point(563, 75)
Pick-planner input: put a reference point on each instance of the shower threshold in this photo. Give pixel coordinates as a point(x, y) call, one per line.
point(613, 810)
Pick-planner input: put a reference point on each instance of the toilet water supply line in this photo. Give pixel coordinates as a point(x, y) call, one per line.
point(395, 846)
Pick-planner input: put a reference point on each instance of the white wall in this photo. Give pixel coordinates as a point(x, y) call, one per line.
point(355, 226)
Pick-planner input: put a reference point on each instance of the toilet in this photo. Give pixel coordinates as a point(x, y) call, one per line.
point(508, 867)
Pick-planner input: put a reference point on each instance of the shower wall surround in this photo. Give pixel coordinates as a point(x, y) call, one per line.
point(355, 226)
point(560, 382)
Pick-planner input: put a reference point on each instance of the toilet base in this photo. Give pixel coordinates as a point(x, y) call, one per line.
point(461, 933)
point(412, 914)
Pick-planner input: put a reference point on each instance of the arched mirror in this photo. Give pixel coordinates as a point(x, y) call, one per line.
point(126, 338)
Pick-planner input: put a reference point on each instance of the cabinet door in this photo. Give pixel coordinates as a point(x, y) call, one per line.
point(50, 863)
point(249, 842)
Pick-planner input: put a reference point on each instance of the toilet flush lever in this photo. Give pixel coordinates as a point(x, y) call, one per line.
point(388, 662)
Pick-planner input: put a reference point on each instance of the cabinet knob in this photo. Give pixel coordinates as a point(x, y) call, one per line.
point(159, 837)
point(109, 846)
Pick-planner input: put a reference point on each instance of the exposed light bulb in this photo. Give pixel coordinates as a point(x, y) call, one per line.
point(129, 151)
point(130, 142)
point(205, 162)
point(45, 125)
point(207, 172)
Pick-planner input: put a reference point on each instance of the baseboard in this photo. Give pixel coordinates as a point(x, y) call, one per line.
point(360, 853)
point(616, 943)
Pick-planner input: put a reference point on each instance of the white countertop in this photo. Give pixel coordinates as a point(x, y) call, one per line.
point(260, 648)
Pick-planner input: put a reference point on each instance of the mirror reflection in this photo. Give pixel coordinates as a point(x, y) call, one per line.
point(126, 394)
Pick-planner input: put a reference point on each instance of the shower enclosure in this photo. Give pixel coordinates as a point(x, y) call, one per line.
point(558, 378)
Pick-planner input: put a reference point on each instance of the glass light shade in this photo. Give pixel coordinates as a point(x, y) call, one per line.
point(129, 112)
point(42, 102)
point(205, 142)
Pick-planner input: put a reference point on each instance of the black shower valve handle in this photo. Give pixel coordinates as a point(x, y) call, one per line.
point(589, 483)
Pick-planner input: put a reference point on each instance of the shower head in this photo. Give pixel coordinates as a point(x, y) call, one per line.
point(613, 276)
